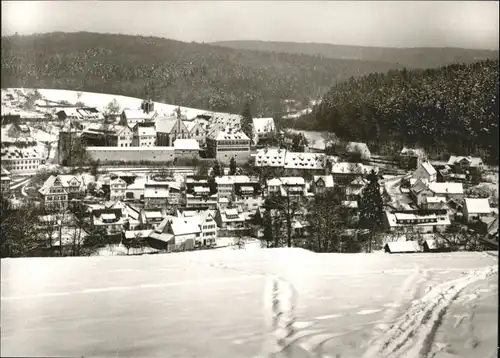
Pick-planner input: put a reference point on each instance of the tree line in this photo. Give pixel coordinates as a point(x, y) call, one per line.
point(449, 110)
point(193, 75)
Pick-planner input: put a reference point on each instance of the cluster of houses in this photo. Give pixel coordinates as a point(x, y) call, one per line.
point(194, 211)
point(139, 132)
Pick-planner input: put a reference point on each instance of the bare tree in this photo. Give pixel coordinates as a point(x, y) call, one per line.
point(287, 206)
point(19, 229)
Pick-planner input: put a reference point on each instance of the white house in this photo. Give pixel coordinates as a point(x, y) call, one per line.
point(117, 188)
point(186, 148)
point(475, 209)
point(54, 194)
point(416, 221)
point(125, 136)
point(263, 128)
point(144, 136)
point(426, 172)
point(205, 220)
point(420, 191)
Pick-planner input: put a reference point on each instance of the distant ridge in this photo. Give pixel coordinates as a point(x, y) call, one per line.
point(411, 57)
point(187, 74)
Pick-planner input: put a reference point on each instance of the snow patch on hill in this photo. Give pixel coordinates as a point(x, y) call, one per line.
point(101, 100)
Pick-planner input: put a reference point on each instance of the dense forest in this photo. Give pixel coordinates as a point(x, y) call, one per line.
point(450, 110)
point(414, 57)
point(188, 74)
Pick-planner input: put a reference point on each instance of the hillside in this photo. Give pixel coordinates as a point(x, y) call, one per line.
point(450, 110)
point(418, 57)
point(187, 74)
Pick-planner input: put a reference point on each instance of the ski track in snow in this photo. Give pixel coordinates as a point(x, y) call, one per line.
point(407, 335)
point(412, 334)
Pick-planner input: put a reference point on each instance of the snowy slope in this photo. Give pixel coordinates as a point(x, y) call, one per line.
point(101, 100)
point(219, 304)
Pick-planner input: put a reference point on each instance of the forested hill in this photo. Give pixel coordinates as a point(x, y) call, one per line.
point(416, 57)
point(450, 110)
point(188, 74)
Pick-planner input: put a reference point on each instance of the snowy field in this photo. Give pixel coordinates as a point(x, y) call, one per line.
point(101, 100)
point(217, 303)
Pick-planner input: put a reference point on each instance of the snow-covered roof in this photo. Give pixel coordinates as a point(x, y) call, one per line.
point(298, 160)
point(231, 215)
point(414, 218)
point(428, 168)
point(117, 181)
point(446, 188)
point(477, 206)
point(403, 246)
point(292, 181)
point(13, 153)
point(165, 125)
point(5, 171)
point(152, 214)
point(186, 144)
point(131, 234)
point(49, 183)
point(108, 216)
point(263, 125)
point(473, 161)
point(185, 225)
point(270, 157)
point(138, 184)
point(327, 179)
point(232, 179)
point(273, 182)
point(228, 134)
point(412, 152)
point(435, 199)
point(357, 147)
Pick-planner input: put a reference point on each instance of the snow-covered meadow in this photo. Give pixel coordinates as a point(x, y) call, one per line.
point(101, 100)
point(218, 303)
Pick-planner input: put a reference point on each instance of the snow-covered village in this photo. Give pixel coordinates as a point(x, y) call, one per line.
point(249, 179)
point(158, 178)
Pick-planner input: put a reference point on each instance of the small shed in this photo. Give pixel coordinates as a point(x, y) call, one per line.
point(434, 245)
point(402, 247)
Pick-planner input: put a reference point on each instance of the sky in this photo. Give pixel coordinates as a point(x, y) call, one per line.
point(473, 24)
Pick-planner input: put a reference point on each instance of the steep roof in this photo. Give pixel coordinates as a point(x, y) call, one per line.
point(49, 183)
point(327, 179)
point(5, 171)
point(402, 246)
point(263, 125)
point(165, 125)
point(185, 225)
point(477, 206)
point(428, 168)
